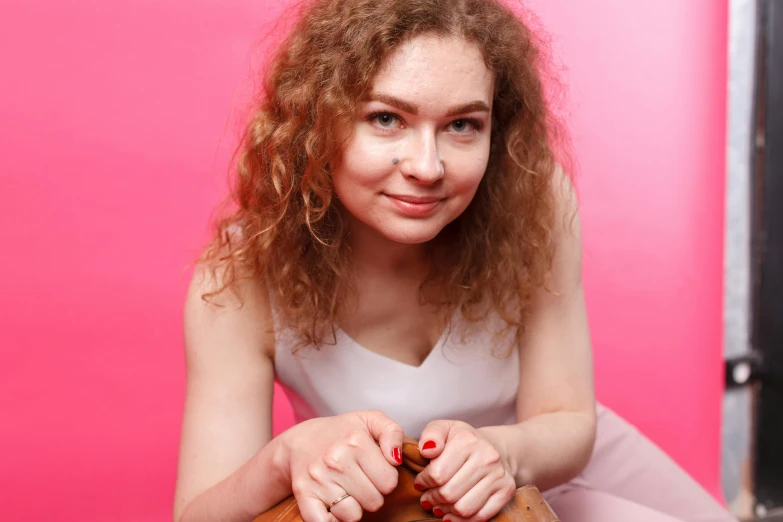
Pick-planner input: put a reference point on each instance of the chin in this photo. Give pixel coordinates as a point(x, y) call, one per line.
point(410, 235)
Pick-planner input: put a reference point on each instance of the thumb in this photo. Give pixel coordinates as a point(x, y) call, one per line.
point(387, 433)
point(433, 438)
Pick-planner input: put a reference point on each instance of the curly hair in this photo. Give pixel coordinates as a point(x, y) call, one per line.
point(499, 251)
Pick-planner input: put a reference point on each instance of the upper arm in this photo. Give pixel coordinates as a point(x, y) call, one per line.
point(556, 355)
point(230, 377)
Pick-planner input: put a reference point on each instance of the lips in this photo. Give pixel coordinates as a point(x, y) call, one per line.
point(415, 206)
point(416, 200)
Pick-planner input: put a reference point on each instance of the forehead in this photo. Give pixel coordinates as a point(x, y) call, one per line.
point(435, 70)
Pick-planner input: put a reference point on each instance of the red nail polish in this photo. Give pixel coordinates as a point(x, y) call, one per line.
point(429, 444)
point(438, 513)
point(397, 455)
point(426, 505)
point(419, 487)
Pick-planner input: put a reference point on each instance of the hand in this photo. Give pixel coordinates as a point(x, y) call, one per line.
point(468, 477)
point(331, 456)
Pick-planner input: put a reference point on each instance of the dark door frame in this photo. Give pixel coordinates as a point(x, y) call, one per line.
point(767, 261)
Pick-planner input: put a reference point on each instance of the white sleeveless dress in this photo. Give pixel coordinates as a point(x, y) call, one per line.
point(628, 478)
point(465, 377)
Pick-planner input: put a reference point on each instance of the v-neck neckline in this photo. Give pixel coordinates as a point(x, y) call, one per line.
point(437, 347)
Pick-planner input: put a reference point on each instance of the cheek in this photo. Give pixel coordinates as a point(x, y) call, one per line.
point(471, 168)
point(364, 162)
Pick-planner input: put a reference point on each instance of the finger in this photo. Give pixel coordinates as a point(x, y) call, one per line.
point(313, 509)
point(387, 433)
point(344, 471)
point(433, 497)
point(347, 510)
point(321, 491)
point(440, 470)
point(356, 482)
point(441, 511)
point(492, 507)
point(473, 500)
point(433, 438)
point(466, 478)
point(382, 477)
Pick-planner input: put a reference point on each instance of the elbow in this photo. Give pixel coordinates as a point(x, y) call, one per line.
point(586, 442)
point(180, 512)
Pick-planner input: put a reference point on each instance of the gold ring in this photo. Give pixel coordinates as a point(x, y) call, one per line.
point(337, 501)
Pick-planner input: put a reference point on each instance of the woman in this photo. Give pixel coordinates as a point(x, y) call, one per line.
point(404, 259)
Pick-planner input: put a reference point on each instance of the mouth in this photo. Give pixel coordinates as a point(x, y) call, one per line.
point(415, 206)
point(415, 200)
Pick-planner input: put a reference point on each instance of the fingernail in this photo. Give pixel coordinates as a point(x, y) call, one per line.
point(426, 505)
point(429, 444)
point(438, 513)
point(419, 487)
point(397, 455)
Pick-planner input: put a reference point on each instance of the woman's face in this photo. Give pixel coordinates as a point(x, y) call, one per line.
point(419, 145)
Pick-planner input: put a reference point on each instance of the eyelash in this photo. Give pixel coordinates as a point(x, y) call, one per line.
point(477, 125)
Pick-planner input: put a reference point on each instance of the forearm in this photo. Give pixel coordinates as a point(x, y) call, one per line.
point(254, 488)
point(546, 450)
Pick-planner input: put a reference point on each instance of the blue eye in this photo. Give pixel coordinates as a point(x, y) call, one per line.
point(384, 119)
point(464, 125)
point(388, 120)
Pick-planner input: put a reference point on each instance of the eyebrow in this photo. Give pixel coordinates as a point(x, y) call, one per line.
point(412, 109)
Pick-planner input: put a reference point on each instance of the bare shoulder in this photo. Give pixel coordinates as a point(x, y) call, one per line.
point(227, 314)
point(567, 202)
point(567, 234)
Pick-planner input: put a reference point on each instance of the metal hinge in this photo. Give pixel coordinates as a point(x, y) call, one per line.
point(744, 369)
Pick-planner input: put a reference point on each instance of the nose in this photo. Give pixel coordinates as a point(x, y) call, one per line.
point(422, 162)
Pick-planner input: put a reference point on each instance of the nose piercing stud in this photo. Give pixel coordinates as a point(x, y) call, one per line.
point(395, 160)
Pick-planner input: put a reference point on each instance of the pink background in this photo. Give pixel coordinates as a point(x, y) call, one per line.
point(116, 130)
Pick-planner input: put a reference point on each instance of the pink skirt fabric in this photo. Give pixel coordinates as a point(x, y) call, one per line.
point(629, 478)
